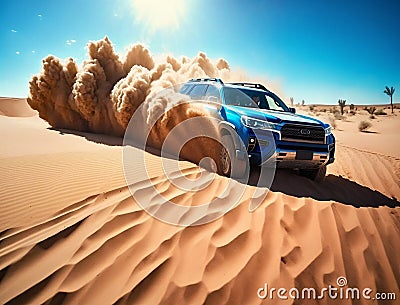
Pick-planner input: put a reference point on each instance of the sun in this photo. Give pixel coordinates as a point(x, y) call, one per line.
point(159, 14)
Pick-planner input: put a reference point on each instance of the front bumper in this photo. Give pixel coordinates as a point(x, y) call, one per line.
point(269, 147)
point(287, 158)
point(294, 155)
point(295, 158)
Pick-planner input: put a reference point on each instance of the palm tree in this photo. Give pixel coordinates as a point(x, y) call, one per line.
point(390, 93)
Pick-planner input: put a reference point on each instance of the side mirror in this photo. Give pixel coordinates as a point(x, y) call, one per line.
point(292, 109)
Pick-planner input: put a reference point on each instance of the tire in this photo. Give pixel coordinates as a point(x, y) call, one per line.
point(230, 166)
point(318, 174)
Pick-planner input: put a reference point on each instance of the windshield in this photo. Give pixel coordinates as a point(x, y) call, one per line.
point(253, 99)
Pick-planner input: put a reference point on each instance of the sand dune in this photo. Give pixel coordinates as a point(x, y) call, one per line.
point(71, 233)
point(15, 107)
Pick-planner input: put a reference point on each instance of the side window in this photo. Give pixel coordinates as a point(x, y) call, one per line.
point(185, 88)
point(264, 104)
point(198, 92)
point(212, 94)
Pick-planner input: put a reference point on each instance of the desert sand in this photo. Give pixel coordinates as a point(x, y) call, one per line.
point(382, 137)
point(71, 233)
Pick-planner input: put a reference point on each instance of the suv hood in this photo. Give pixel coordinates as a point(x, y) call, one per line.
point(274, 116)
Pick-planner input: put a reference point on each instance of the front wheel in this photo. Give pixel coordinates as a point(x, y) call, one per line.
point(230, 165)
point(318, 174)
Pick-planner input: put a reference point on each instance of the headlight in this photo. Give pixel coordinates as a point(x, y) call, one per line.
point(328, 131)
point(257, 124)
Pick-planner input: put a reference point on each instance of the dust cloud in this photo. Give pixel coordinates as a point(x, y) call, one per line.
point(103, 93)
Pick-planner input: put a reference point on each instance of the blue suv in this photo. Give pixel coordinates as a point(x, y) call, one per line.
point(257, 127)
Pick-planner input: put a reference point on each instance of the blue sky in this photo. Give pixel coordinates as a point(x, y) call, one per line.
point(318, 51)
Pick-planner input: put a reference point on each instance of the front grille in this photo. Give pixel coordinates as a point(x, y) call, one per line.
point(303, 133)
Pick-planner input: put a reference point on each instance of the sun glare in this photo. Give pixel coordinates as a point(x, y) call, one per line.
point(159, 14)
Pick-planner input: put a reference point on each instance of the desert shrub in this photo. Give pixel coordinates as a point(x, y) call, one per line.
point(332, 122)
point(311, 107)
point(334, 110)
point(352, 112)
point(372, 117)
point(370, 110)
point(351, 106)
point(364, 125)
point(323, 110)
point(380, 112)
point(337, 115)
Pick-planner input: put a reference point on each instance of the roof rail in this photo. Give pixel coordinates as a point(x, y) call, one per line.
point(251, 85)
point(218, 80)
